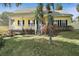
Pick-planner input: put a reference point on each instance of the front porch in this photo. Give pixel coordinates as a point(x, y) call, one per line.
point(61, 24)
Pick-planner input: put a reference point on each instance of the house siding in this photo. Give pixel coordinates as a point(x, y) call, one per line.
point(26, 25)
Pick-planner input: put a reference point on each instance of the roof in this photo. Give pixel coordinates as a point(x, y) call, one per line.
point(21, 14)
point(27, 10)
point(61, 14)
point(31, 12)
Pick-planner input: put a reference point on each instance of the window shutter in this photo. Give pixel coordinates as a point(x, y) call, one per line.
point(23, 22)
point(28, 22)
point(18, 22)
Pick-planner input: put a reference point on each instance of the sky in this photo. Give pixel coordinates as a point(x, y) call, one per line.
point(67, 7)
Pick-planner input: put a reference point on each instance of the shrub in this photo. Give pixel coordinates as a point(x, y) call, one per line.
point(70, 28)
point(1, 41)
point(67, 28)
point(11, 33)
point(54, 29)
point(29, 31)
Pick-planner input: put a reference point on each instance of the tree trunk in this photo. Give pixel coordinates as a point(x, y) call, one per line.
point(50, 23)
point(50, 34)
point(38, 26)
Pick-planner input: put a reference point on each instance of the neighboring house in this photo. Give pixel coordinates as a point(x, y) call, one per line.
point(25, 19)
point(3, 27)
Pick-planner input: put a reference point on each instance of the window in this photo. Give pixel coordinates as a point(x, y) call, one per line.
point(31, 22)
point(21, 23)
point(56, 22)
point(63, 23)
point(60, 22)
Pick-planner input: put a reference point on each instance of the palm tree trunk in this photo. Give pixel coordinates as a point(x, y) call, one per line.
point(50, 22)
point(49, 28)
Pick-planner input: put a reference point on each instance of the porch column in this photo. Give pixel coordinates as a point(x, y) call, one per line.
point(9, 24)
point(35, 27)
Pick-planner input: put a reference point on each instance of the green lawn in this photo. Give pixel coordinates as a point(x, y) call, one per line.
point(66, 43)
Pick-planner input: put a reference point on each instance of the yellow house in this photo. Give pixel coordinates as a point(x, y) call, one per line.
point(25, 20)
point(19, 20)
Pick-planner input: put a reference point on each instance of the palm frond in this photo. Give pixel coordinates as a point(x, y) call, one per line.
point(53, 7)
point(18, 4)
point(59, 6)
point(10, 4)
point(77, 8)
point(48, 7)
point(5, 4)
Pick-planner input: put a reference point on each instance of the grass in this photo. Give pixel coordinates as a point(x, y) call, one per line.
point(65, 44)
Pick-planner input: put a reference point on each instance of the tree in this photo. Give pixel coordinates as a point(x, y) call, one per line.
point(77, 7)
point(50, 21)
point(59, 6)
point(51, 18)
point(4, 17)
point(10, 4)
point(39, 16)
point(36, 21)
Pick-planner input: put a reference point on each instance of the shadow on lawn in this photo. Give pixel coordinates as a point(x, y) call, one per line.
point(70, 34)
point(38, 47)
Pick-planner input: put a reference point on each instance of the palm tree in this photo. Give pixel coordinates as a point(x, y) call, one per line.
point(51, 17)
point(59, 6)
point(36, 21)
point(50, 21)
point(39, 16)
point(77, 7)
point(10, 4)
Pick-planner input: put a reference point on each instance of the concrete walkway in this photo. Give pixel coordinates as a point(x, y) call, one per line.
point(36, 37)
